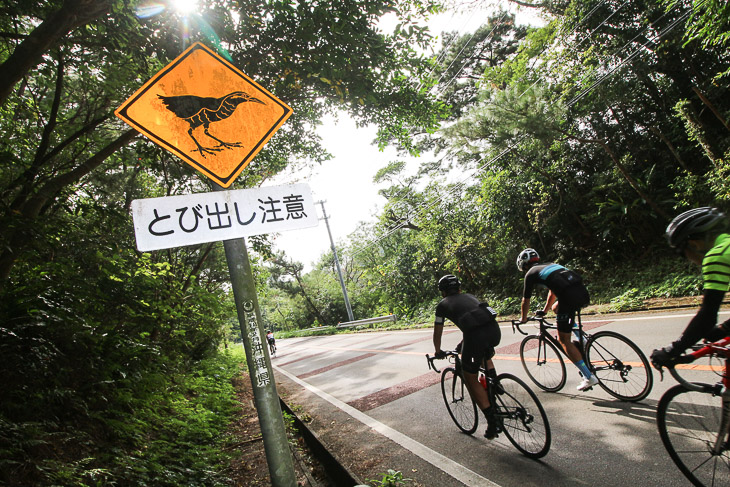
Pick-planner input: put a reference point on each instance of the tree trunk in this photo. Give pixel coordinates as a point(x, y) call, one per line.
point(712, 107)
point(669, 144)
point(314, 309)
point(16, 238)
point(50, 33)
point(198, 265)
point(696, 131)
point(634, 184)
point(622, 169)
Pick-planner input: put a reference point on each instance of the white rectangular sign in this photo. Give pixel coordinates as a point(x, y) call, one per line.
point(174, 221)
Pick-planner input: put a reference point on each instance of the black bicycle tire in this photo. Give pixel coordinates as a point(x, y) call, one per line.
point(697, 418)
point(446, 383)
point(553, 351)
point(510, 430)
point(603, 382)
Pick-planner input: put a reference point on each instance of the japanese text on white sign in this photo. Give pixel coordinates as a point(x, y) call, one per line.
point(174, 221)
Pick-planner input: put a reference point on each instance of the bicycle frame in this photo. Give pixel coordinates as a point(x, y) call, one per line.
point(721, 349)
point(457, 365)
point(544, 333)
point(517, 409)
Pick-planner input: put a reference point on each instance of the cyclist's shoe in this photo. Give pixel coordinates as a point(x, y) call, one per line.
point(588, 383)
point(493, 429)
point(493, 426)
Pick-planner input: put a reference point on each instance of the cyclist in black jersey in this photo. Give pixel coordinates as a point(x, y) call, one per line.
point(702, 236)
point(566, 295)
point(477, 322)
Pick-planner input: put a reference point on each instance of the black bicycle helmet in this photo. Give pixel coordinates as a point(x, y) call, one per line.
point(449, 281)
point(693, 224)
point(527, 258)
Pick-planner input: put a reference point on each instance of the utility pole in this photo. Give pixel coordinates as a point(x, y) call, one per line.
point(337, 262)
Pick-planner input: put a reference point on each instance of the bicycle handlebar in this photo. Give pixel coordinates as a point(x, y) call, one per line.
point(540, 319)
point(430, 359)
point(701, 350)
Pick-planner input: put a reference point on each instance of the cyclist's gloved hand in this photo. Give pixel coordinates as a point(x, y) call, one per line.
point(540, 314)
point(440, 354)
point(661, 357)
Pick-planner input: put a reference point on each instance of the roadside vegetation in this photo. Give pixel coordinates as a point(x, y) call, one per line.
point(581, 139)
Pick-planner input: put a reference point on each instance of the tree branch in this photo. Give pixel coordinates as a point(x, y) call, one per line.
point(73, 14)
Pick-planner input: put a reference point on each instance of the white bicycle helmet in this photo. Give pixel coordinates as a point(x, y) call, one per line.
point(527, 258)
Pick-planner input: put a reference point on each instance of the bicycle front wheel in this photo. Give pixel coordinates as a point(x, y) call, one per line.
point(543, 363)
point(524, 421)
point(461, 407)
point(690, 424)
point(621, 367)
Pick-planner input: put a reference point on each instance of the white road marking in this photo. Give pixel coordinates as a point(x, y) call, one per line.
point(450, 467)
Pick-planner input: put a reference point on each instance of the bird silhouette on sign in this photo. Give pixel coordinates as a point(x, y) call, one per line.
point(202, 111)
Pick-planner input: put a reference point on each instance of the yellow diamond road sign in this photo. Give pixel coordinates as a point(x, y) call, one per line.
point(207, 112)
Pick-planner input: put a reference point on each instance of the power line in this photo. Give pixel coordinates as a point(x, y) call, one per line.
point(638, 51)
point(446, 86)
point(457, 186)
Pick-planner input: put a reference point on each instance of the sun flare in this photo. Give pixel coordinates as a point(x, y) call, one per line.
point(185, 6)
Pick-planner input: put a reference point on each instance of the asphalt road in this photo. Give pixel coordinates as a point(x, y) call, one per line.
point(380, 380)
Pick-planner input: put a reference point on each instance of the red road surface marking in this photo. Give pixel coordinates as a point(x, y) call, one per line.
point(390, 394)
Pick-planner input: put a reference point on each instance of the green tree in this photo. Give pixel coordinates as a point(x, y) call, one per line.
point(94, 333)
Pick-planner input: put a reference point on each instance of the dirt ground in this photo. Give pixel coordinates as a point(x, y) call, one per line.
point(250, 468)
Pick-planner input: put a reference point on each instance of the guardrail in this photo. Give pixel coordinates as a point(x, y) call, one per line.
point(367, 321)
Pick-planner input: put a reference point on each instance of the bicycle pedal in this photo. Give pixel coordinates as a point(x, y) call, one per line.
point(493, 436)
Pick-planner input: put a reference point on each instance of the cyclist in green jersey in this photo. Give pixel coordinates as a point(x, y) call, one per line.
point(701, 236)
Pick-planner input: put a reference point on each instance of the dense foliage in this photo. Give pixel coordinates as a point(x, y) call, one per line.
point(112, 370)
point(581, 139)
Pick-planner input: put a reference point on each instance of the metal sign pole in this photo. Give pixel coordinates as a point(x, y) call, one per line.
point(278, 454)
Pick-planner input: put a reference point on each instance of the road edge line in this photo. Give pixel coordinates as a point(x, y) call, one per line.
point(443, 463)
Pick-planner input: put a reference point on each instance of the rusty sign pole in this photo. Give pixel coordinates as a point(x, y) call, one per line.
point(278, 453)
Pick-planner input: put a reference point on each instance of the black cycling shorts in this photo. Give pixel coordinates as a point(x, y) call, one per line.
point(479, 345)
point(569, 302)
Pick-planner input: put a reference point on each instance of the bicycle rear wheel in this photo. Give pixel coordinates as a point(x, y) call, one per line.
point(459, 403)
point(543, 363)
point(690, 425)
point(621, 367)
point(524, 421)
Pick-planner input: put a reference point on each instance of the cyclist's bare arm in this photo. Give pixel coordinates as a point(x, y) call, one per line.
point(551, 298)
point(438, 329)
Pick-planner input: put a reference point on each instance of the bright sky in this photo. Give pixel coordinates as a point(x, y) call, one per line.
point(345, 182)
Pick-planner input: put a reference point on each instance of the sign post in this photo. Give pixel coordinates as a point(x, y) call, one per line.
point(276, 446)
point(216, 119)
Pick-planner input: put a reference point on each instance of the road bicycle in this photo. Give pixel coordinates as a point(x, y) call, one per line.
point(620, 366)
point(519, 412)
point(694, 418)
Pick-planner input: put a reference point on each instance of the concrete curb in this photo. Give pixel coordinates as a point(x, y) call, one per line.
point(336, 471)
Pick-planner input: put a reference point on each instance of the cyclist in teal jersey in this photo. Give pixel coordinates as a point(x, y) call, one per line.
point(701, 236)
point(566, 296)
